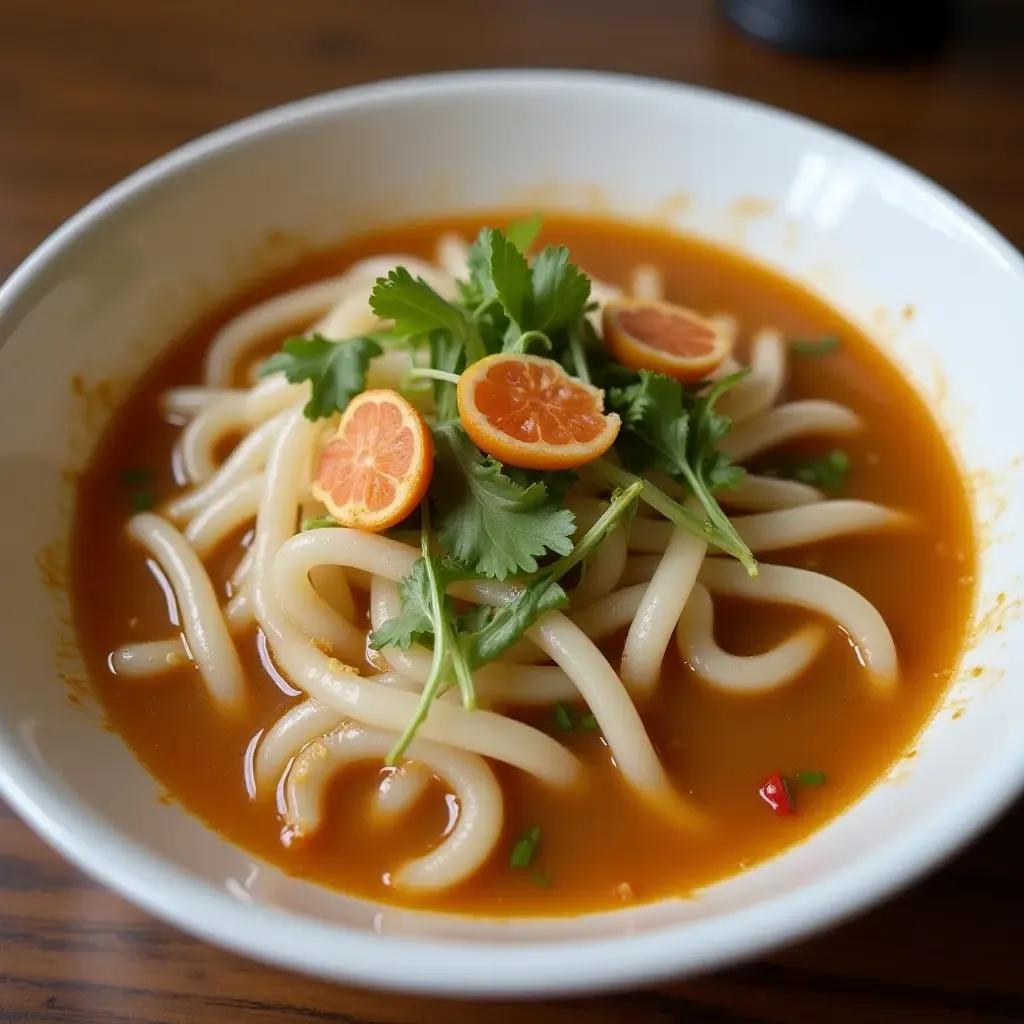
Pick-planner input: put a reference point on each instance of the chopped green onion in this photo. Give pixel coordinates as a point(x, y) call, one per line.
point(810, 778)
point(144, 500)
point(541, 880)
point(563, 717)
point(815, 346)
point(319, 522)
point(588, 723)
point(525, 849)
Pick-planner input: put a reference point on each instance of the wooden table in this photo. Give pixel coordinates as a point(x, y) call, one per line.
point(91, 89)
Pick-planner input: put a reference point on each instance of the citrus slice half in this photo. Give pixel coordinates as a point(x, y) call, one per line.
point(527, 411)
point(377, 467)
point(665, 338)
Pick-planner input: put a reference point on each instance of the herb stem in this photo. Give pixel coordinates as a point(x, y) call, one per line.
point(608, 520)
point(428, 372)
point(705, 529)
point(439, 663)
point(579, 357)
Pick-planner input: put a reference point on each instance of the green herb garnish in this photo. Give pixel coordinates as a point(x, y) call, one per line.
point(485, 519)
point(828, 473)
point(810, 778)
point(319, 523)
point(815, 346)
point(525, 849)
point(336, 369)
point(563, 717)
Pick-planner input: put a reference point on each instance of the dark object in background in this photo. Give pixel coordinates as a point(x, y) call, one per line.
point(852, 29)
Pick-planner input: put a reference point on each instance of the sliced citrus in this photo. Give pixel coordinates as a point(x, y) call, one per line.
point(527, 411)
point(668, 339)
point(377, 467)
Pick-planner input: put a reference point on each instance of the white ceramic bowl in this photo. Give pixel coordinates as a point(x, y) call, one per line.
point(98, 299)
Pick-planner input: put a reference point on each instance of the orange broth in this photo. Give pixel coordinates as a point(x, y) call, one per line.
point(716, 747)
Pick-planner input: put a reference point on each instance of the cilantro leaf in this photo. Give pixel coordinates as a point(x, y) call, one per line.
point(418, 310)
point(486, 520)
point(414, 624)
point(677, 433)
point(337, 370)
point(560, 290)
point(828, 473)
point(446, 353)
point(523, 233)
point(511, 621)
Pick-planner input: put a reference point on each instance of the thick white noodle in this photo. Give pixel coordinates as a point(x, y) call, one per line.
point(767, 493)
point(302, 306)
point(331, 583)
point(639, 569)
point(248, 458)
point(753, 674)
point(197, 446)
point(786, 423)
point(307, 721)
point(327, 681)
point(451, 252)
point(616, 714)
point(646, 283)
point(225, 515)
point(152, 658)
point(651, 630)
point(185, 402)
point(791, 527)
point(777, 584)
point(400, 790)
point(202, 621)
point(464, 850)
point(603, 569)
point(238, 612)
point(613, 612)
point(350, 317)
point(501, 684)
point(760, 389)
point(272, 396)
point(810, 524)
point(300, 724)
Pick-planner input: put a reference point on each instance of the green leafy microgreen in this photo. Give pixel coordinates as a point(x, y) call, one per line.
point(426, 608)
point(678, 433)
point(810, 778)
point(485, 519)
point(418, 311)
point(828, 473)
point(336, 369)
point(563, 717)
point(525, 849)
point(319, 523)
point(815, 346)
point(523, 233)
point(560, 290)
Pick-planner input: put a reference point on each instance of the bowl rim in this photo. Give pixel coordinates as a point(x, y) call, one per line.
point(463, 967)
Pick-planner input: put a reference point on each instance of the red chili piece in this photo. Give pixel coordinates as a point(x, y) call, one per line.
point(775, 793)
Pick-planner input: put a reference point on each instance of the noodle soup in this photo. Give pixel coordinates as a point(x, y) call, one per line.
point(737, 658)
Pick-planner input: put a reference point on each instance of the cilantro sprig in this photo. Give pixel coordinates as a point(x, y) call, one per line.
point(483, 520)
point(336, 369)
point(678, 432)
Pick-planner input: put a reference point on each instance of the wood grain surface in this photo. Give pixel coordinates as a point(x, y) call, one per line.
point(91, 89)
